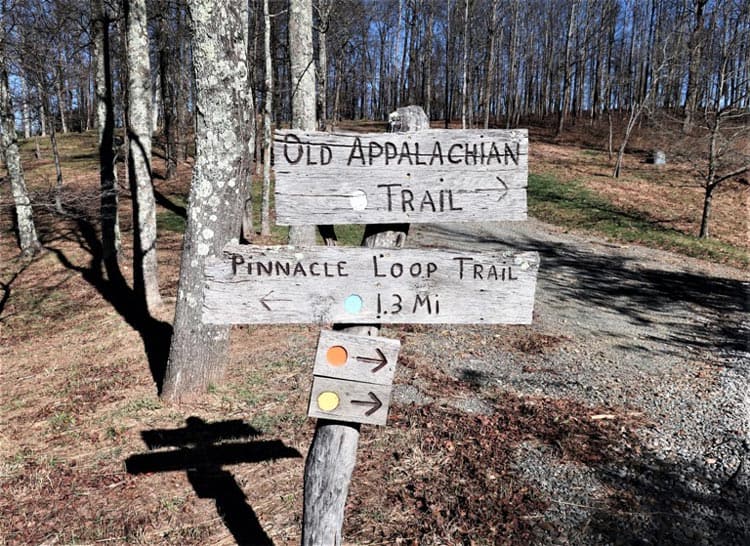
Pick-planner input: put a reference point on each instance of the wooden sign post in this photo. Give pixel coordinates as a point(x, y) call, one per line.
point(352, 378)
point(385, 181)
point(375, 178)
point(284, 284)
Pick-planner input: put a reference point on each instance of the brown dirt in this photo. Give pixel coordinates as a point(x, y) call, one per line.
point(78, 403)
point(671, 195)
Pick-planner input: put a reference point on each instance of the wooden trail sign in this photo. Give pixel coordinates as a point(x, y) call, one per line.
point(377, 178)
point(349, 401)
point(285, 284)
point(352, 377)
point(356, 358)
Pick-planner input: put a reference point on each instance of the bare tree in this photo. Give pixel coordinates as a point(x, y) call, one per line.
point(105, 124)
point(303, 88)
point(265, 206)
point(28, 239)
point(465, 75)
point(490, 69)
point(223, 164)
point(323, 8)
point(145, 271)
point(725, 123)
point(695, 47)
point(564, 101)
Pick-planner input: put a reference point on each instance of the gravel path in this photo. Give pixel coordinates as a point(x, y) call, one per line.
point(653, 332)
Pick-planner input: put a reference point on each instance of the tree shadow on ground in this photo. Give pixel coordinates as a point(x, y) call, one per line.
point(540, 470)
point(170, 205)
point(113, 287)
point(6, 287)
point(639, 497)
point(695, 310)
point(659, 502)
point(201, 450)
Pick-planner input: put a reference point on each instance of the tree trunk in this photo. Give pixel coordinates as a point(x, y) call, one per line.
point(566, 69)
point(265, 212)
point(465, 77)
point(428, 62)
point(58, 169)
point(705, 217)
point(511, 93)
point(490, 70)
point(42, 120)
point(169, 90)
point(27, 237)
point(25, 111)
point(303, 88)
point(105, 123)
point(145, 272)
point(695, 46)
point(324, 12)
point(60, 102)
point(224, 143)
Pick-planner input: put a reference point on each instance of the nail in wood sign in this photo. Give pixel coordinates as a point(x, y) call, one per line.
point(376, 178)
point(352, 378)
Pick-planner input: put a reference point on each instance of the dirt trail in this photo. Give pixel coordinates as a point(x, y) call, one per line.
point(647, 333)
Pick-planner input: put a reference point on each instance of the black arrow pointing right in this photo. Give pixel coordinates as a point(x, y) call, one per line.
point(381, 360)
point(503, 191)
point(374, 402)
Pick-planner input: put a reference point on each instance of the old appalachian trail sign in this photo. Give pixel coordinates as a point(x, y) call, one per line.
point(285, 284)
point(376, 178)
point(352, 377)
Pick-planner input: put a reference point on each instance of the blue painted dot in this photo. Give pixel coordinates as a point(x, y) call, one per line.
point(353, 304)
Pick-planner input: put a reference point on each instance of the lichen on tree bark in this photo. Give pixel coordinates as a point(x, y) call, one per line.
point(224, 144)
point(28, 240)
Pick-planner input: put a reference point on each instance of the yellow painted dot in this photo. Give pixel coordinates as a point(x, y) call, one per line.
point(328, 401)
point(337, 355)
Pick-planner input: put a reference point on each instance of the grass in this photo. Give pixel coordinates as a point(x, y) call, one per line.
point(571, 205)
point(170, 221)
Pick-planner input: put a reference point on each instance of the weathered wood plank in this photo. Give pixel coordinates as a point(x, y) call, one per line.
point(356, 358)
point(283, 284)
point(430, 176)
point(349, 401)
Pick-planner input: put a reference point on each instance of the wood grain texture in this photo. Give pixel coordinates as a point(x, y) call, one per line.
point(430, 176)
point(365, 403)
point(369, 359)
point(368, 286)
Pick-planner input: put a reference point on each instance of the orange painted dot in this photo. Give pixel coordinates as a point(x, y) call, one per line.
point(337, 355)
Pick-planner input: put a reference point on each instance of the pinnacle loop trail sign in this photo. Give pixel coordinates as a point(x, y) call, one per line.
point(377, 178)
point(285, 284)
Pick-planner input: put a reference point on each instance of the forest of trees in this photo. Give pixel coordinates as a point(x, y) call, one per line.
point(497, 62)
point(208, 73)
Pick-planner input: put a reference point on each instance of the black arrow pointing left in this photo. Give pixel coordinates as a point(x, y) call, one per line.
point(265, 300)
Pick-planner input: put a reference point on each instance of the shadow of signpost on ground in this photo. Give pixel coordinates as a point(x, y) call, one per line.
point(202, 449)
